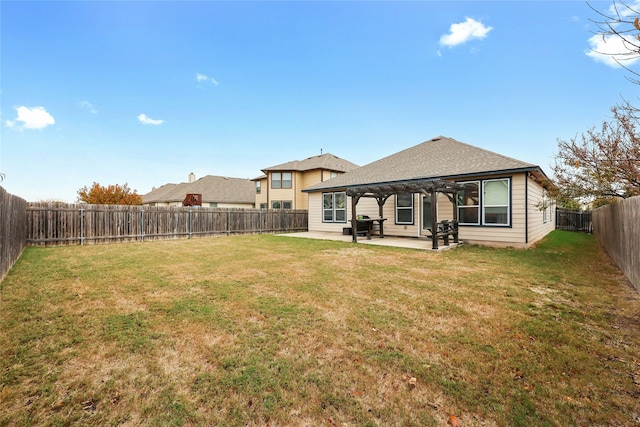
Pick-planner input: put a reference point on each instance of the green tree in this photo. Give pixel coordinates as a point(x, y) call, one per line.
point(109, 195)
point(601, 165)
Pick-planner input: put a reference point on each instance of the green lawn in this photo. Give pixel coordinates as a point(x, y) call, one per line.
point(271, 330)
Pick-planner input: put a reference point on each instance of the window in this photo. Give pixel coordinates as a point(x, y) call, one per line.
point(263, 206)
point(276, 180)
point(493, 208)
point(281, 204)
point(334, 174)
point(495, 202)
point(404, 208)
point(258, 187)
point(286, 180)
point(281, 180)
point(469, 203)
point(334, 207)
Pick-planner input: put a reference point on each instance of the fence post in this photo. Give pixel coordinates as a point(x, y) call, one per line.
point(260, 221)
point(190, 219)
point(142, 223)
point(228, 222)
point(81, 225)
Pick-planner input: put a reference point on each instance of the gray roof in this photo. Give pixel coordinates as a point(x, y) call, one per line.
point(439, 158)
point(214, 189)
point(324, 161)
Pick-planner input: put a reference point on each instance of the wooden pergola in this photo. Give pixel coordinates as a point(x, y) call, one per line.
point(428, 187)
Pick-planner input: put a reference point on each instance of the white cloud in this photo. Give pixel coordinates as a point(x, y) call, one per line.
point(204, 78)
point(465, 31)
point(148, 120)
point(31, 118)
point(608, 49)
point(88, 106)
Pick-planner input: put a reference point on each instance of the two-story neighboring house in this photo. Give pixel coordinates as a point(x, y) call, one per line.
point(281, 186)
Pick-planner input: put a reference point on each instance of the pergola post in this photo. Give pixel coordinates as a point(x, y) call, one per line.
point(354, 218)
point(434, 219)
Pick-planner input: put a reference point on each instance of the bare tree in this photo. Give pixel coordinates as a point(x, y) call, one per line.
point(621, 22)
point(601, 165)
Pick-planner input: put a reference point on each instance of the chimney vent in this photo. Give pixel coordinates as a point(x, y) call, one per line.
point(192, 177)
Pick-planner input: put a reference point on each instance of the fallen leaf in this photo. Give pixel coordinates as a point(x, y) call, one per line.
point(453, 421)
point(356, 393)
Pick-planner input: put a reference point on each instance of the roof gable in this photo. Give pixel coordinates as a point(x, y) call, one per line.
point(439, 157)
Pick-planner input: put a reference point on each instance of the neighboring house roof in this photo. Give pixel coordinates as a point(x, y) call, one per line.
point(440, 157)
point(214, 189)
point(323, 161)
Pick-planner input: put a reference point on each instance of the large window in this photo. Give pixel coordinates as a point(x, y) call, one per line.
point(495, 202)
point(281, 204)
point(486, 202)
point(469, 203)
point(404, 208)
point(334, 207)
point(281, 180)
point(258, 188)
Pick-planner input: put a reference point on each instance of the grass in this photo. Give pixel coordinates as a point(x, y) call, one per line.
point(269, 330)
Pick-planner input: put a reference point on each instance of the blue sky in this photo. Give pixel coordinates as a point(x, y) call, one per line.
point(145, 92)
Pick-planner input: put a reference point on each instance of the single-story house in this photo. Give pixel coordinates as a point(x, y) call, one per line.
point(216, 191)
point(495, 199)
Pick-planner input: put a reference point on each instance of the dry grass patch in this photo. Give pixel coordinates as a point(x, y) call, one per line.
point(265, 330)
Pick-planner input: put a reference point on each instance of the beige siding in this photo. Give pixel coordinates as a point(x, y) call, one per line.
point(514, 235)
point(263, 196)
point(366, 206)
point(234, 205)
point(539, 226)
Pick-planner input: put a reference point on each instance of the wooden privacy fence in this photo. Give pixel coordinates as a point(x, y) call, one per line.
point(617, 227)
point(62, 224)
point(13, 219)
point(571, 220)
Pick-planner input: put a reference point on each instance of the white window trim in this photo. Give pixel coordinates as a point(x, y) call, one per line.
point(405, 208)
point(481, 205)
point(508, 205)
point(333, 208)
point(478, 206)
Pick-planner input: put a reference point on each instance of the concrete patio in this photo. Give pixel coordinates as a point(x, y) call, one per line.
point(422, 243)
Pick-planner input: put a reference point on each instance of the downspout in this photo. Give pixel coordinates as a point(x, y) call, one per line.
point(526, 208)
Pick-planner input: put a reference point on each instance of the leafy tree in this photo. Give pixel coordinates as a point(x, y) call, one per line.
point(109, 195)
point(601, 165)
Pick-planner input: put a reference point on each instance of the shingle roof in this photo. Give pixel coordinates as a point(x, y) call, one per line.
point(439, 157)
point(214, 189)
point(323, 161)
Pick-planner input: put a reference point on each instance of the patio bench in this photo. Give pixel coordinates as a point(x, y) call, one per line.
point(445, 230)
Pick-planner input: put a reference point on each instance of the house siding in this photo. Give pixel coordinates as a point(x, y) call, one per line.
point(514, 235)
point(263, 197)
point(538, 227)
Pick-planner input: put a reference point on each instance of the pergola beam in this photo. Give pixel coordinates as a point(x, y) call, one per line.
point(382, 192)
